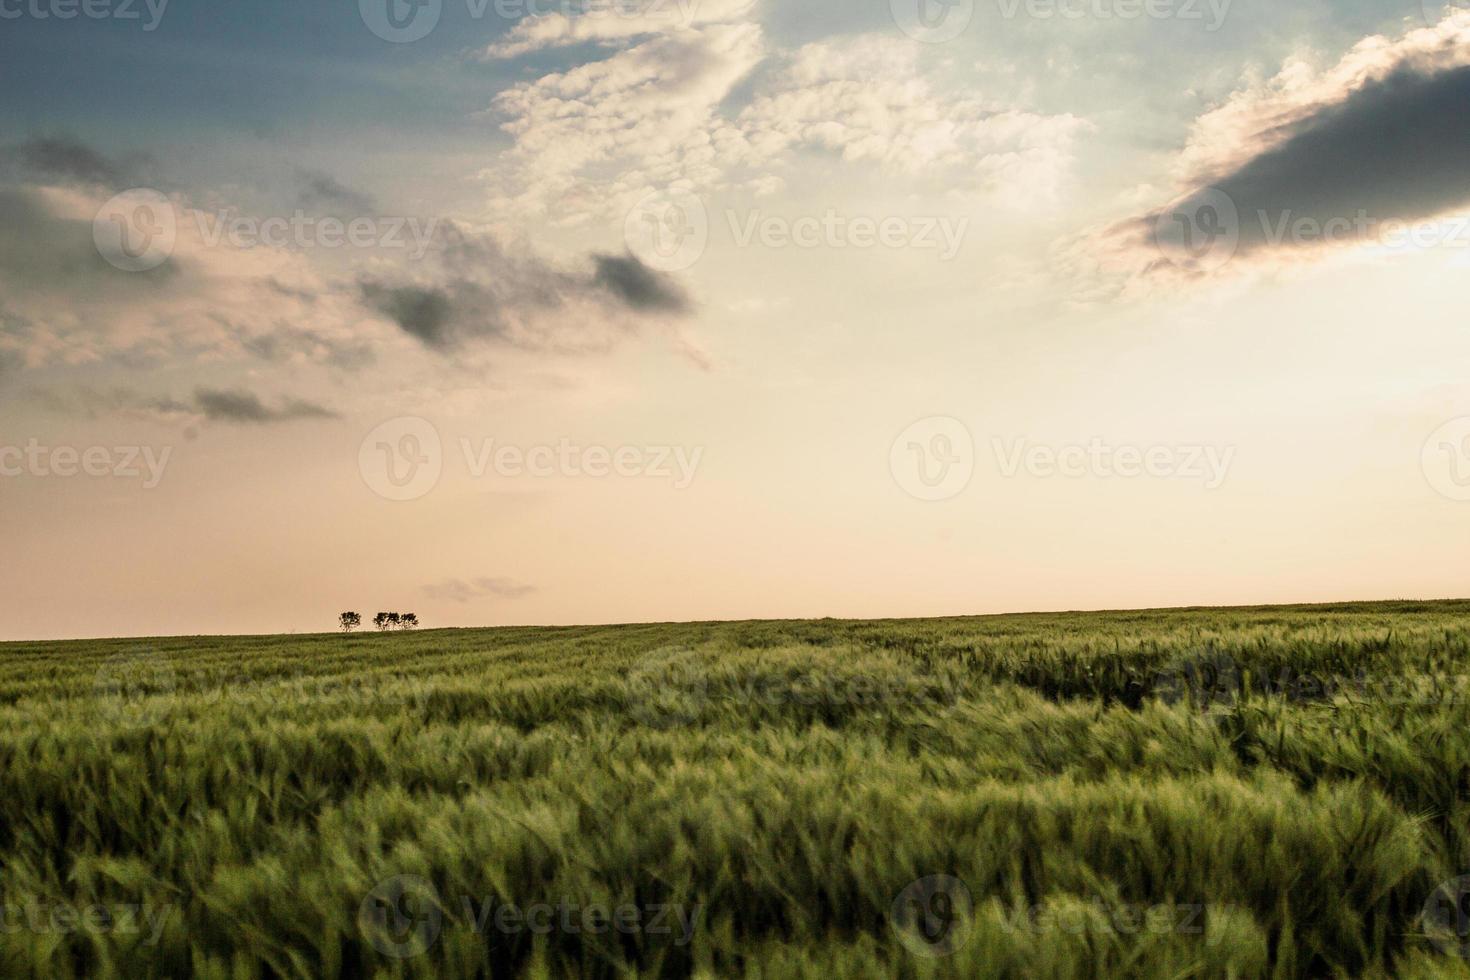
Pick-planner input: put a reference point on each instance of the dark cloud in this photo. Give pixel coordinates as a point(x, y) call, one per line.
point(85, 401)
point(480, 290)
point(640, 287)
point(52, 271)
point(13, 326)
point(1397, 148)
point(421, 313)
point(69, 160)
point(40, 251)
point(284, 343)
point(322, 192)
point(306, 296)
point(246, 407)
point(458, 590)
point(289, 343)
point(219, 405)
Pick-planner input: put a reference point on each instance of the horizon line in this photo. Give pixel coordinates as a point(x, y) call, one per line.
point(780, 619)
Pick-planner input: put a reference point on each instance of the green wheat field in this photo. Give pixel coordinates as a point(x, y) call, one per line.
point(1272, 792)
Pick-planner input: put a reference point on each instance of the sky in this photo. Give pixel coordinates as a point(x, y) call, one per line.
point(548, 312)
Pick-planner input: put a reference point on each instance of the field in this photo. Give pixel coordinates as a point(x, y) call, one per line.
point(1192, 793)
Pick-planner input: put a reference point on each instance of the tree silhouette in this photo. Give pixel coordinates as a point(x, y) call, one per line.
point(409, 621)
point(349, 621)
point(381, 620)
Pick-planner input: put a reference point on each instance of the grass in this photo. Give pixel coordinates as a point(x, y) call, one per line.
point(1189, 793)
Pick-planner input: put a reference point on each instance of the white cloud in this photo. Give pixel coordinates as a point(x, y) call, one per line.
point(868, 100)
point(1373, 139)
point(1265, 112)
point(615, 21)
point(593, 139)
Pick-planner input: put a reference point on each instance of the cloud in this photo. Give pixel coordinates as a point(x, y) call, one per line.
point(286, 344)
point(422, 313)
point(86, 401)
point(206, 300)
point(63, 306)
point(640, 287)
point(458, 590)
point(614, 22)
point(239, 405)
point(868, 100)
point(656, 115)
point(212, 404)
point(322, 193)
point(66, 159)
point(480, 291)
point(47, 246)
point(593, 140)
point(1308, 158)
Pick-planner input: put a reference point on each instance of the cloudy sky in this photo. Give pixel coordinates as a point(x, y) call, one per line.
point(541, 311)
